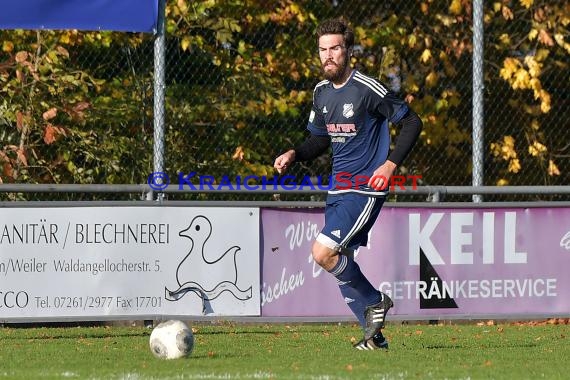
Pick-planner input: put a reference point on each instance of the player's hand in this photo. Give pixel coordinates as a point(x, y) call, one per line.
point(283, 161)
point(380, 179)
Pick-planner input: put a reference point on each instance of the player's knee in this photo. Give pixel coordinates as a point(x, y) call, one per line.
point(323, 255)
point(319, 256)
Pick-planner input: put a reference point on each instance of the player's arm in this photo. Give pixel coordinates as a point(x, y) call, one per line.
point(383, 102)
point(410, 128)
point(397, 111)
point(315, 145)
point(311, 148)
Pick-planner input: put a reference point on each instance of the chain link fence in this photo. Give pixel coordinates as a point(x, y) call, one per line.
point(75, 107)
point(239, 80)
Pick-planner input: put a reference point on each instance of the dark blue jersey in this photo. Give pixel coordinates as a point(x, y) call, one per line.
point(356, 118)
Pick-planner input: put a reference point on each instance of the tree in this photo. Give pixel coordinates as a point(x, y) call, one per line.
point(63, 120)
point(77, 107)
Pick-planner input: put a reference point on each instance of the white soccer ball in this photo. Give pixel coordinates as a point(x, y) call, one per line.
point(171, 340)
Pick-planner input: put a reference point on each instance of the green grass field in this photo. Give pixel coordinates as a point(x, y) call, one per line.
point(278, 351)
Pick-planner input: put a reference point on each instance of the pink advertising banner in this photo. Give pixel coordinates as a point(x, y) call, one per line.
point(433, 262)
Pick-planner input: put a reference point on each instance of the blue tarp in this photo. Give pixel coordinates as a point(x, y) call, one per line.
point(119, 15)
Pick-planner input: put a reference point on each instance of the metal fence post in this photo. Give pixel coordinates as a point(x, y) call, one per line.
point(159, 91)
point(478, 88)
point(159, 107)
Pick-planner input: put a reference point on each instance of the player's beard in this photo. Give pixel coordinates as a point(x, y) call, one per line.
point(336, 74)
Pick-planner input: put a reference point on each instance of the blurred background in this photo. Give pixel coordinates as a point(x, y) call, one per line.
point(77, 107)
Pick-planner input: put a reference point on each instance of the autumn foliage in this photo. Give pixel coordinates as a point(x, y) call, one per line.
point(76, 107)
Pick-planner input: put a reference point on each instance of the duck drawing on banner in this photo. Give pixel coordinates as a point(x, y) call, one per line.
point(205, 272)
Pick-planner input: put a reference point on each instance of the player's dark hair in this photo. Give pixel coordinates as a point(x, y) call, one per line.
point(336, 26)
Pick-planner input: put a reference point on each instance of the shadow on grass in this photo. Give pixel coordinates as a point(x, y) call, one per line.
point(248, 332)
point(28, 325)
point(97, 333)
point(456, 347)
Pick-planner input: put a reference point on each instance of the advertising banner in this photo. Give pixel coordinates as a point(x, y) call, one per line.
point(94, 262)
point(433, 262)
point(118, 15)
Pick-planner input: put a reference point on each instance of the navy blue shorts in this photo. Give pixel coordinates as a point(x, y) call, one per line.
point(349, 217)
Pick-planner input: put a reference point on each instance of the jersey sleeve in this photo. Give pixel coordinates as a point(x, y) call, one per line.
point(384, 102)
point(316, 124)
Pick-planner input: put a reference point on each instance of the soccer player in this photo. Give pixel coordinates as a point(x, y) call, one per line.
point(351, 112)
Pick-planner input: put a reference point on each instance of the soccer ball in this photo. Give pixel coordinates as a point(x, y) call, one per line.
point(171, 340)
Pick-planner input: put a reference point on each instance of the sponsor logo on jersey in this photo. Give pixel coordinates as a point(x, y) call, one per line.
point(336, 233)
point(325, 109)
point(341, 129)
point(341, 140)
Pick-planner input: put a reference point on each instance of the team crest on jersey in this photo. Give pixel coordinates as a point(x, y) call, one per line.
point(348, 110)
